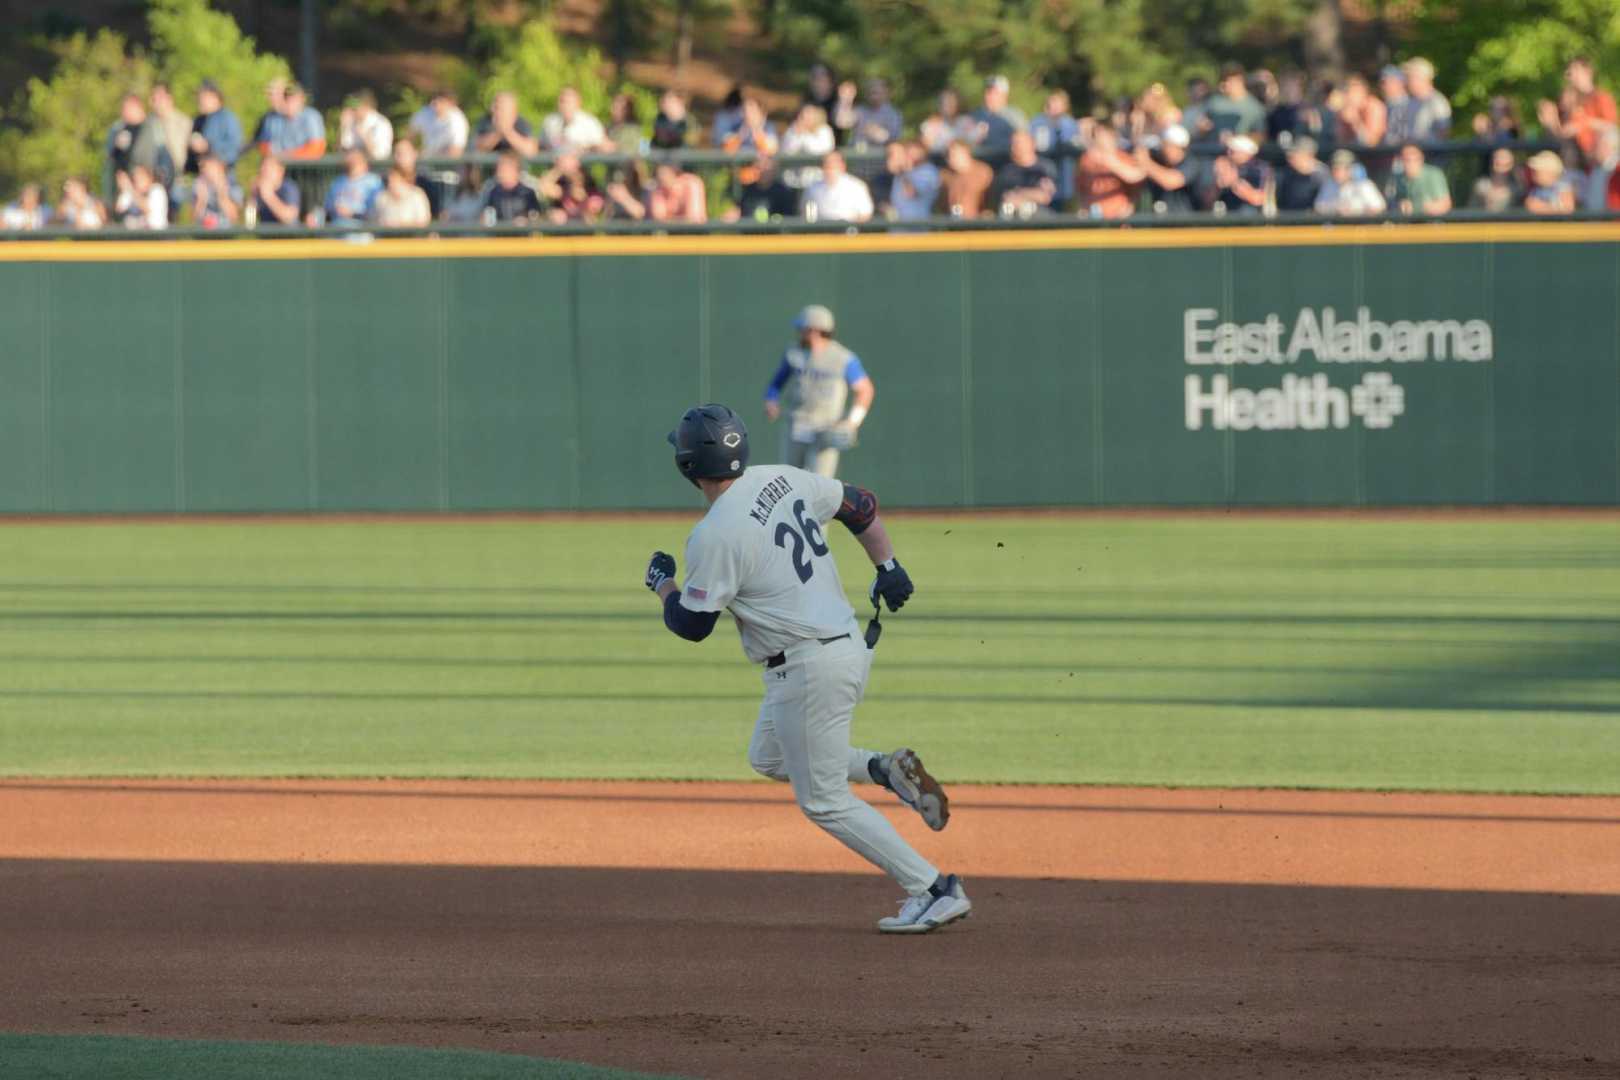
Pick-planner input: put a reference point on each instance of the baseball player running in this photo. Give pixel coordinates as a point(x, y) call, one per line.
point(760, 552)
point(823, 374)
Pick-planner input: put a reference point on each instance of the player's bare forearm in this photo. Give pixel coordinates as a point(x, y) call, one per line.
point(665, 588)
point(874, 539)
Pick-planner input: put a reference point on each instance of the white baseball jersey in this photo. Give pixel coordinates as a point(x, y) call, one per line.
point(761, 551)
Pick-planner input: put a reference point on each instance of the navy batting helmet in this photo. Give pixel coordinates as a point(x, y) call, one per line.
point(710, 443)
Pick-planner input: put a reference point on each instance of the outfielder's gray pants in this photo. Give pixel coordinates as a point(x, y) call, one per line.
point(814, 457)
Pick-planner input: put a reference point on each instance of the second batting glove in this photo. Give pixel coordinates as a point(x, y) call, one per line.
point(893, 584)
point(660, 568)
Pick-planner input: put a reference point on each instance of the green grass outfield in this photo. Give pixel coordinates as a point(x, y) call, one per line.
point(1473, 653)
point(46, 1057)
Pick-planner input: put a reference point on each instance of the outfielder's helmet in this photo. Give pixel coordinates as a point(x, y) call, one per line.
point(710, 443)
point(814, 317)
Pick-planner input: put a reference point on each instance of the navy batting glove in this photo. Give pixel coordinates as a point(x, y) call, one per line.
point(893, 584)
point(660, 568)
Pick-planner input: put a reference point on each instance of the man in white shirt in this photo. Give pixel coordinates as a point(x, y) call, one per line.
point(442, 127)
point(360, 124)
point(837, 196)
point(571, 129)
point(760, 553)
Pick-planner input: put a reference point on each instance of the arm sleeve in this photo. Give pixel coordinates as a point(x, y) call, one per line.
point(853, 371)
point(711, 574)
point(784, 371)
point(684, 622)
point(858, 509)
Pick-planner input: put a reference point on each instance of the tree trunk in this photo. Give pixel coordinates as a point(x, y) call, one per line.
point(1324, 42)
point(683, 42)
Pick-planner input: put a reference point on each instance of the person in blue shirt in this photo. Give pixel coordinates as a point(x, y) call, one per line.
point(823, 376)
point(1054, 129)
point(215, 130)
point(350, 198)
point(913, 180)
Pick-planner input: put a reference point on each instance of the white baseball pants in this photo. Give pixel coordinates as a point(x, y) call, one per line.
point(802, 736)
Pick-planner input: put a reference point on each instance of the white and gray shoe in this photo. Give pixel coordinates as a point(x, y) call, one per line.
point(916, 788)
point(927, 912)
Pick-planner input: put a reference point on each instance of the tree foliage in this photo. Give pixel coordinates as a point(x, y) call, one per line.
point(535, 64)
point(59, 125)
point(1515, 47)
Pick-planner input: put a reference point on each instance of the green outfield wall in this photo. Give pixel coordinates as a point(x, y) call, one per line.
point(1463, 364)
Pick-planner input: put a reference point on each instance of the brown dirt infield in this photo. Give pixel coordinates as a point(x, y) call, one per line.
point(708, 930)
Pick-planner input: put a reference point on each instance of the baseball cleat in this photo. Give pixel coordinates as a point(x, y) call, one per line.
point(916, 788)
point(925, 913)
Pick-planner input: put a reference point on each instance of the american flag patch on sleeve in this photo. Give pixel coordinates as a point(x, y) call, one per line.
point(696, 593)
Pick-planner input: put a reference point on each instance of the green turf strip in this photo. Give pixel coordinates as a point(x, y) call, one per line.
point(1476, 653)
point(93, 1057)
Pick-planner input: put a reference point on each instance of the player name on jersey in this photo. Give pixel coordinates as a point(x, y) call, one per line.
point(774, 491)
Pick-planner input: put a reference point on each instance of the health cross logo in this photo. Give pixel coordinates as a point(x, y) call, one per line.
point(1378, 401)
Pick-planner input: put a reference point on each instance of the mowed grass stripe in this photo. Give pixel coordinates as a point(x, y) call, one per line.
point(97, 1057)
point(1474, 654)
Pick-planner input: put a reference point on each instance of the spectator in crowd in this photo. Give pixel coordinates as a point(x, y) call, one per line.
point(822, 89)
point(1172, 176)
point(628, 191)
point(1232, 110)
point(1151, 113)
point(843, 115)
point(728, 118)
point(351, 196)
point(401, 204)
point(946, 124)
point(1055, 130)
point(1500, 188)
point(966, 181)
point(468, 203)
point(1550, 190)
point(405, 159)
point(1195, 117)
point(503, 129)
point(761, 194)
point(1594, 193)
point(1106, 178)
point(78, 209)
point(1418, 187)
point(914, 181)
point(624, 133)
point(216, 198)
point(1581, 111)
point(1264, 88)
point(808, 135)
point(677, 195)
point(877, 122)
point(138, 139)
point(1363, 118)
point(1025, 185)
point(27, 212)
point(1293, 116)
point(511, 198)
point(176, 126)
point(837, 196)
point(996, 120)
point(1300, 180)
point(442, 127)
point(672, 126)
point(572, 195)
point(303, 134)
point(1500, 122)
point(215, 131)
point(141, 202)
point(1397, 106)
point(1347, 192)
point(275, 197)
point(360, 124)
point(755, 134)
point(1239, 178)
point(1424, 115)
